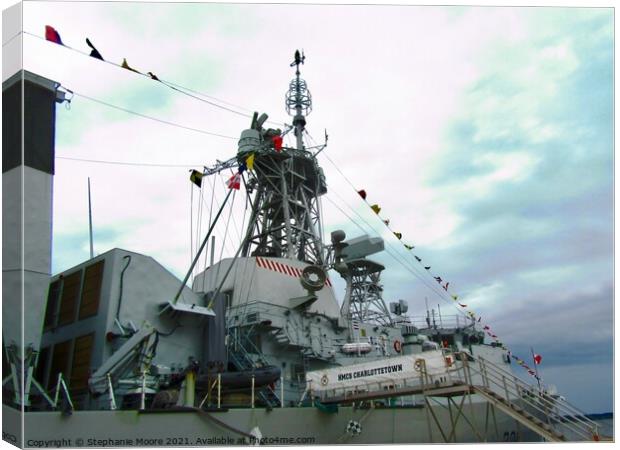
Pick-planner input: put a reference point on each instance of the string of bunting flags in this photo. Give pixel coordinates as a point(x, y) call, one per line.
point(455, 298)
point(52, 35)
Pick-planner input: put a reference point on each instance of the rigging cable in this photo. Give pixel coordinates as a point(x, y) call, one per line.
point(218, 227)
point(191, 224)
point(9, 40)
point(124, 163)
point(199, 224)
point(217, 273)
point(210, 218)
point(128, 111)
point(406, 265)
point(170, 85)
point(394, 253)
point(242, 243)
point(233, 219)
point(400, 259)
point(224, 183)
point(441, 294)
point(180, 291)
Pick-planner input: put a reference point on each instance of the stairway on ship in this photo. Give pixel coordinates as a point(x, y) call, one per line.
point(550, 417)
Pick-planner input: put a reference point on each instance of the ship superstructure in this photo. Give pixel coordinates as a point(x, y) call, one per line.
point(260, 339)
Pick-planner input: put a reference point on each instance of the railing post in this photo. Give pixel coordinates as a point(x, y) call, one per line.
point(465, 364)
point(143, 393)
point(252, 398)
point(483, 373)
point(219, 390)
point(57, 389)
point(111, 391)
point(506, 390)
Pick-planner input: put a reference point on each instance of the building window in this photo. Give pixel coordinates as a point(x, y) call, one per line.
point(69, 299)
point(60, 362)
point(80, 365)
point(51, 309)
point(91, 292)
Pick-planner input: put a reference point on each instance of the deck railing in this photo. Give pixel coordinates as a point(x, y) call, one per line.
point(469, 375)
point(553, 409)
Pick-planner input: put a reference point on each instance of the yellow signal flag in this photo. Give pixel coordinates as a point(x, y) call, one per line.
point(455, 297)
point(249, 162)
point(398, 235)
point(126, 66)
point(376, 208)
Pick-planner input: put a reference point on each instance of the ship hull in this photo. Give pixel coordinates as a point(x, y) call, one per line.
point(279, 426)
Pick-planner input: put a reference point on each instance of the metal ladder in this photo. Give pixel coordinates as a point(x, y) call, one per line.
point(242, 360)
point(552, 417)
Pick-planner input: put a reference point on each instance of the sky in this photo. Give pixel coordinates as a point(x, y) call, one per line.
point(484, 133)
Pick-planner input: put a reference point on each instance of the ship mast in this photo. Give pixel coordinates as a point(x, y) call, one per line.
point(286, 182)
point(298, 100)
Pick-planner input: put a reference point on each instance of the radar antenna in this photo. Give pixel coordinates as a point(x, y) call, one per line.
point(298, 100)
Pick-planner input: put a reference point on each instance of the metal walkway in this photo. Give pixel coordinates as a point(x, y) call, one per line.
point(550, 417)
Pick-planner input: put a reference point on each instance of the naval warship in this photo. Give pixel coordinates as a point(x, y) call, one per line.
point(117, 351)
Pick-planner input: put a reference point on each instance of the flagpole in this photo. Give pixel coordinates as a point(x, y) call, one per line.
point(536, 368)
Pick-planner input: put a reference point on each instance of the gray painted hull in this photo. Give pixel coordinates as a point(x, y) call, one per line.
point(280, 426)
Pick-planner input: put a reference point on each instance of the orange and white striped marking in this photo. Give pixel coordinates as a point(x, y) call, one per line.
point(275, 266)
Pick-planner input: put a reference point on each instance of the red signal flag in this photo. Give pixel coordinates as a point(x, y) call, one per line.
point(234, 182)
point(52, 35)
point(277, 143)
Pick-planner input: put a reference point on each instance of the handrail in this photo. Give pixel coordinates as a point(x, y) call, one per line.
point(537, 402)
point(249, 363)
point(555, 410)
point(567, 404)
point(485, 378)
point(549, 406)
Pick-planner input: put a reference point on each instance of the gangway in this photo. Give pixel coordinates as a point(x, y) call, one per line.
point(549, 416)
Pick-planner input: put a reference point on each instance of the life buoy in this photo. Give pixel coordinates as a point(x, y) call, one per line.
point(417, 365)
point(398, 346)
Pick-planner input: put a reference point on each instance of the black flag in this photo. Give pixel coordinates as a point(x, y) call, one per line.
point(94, 52)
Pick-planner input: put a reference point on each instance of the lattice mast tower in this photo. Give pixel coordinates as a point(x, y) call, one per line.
point(287, 183)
